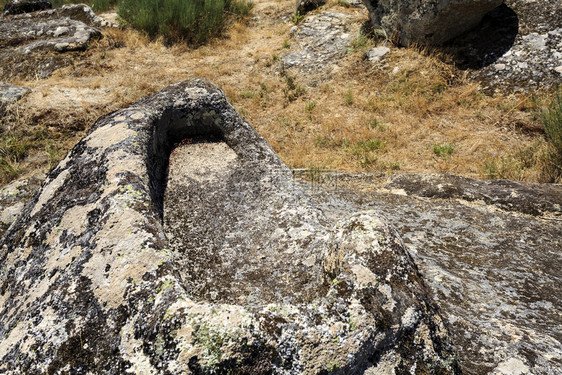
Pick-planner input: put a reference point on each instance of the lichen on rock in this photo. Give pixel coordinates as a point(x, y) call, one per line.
point(226, 268)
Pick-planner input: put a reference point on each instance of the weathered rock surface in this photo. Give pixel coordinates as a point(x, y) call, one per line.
point(494, 270)
point(32, 44)
point(427, 22)
point(10, 94)
point(526, 198)
point(517, 47)
point(14, 197)
point(245, 275)
point(319, 40)
point(26, 6)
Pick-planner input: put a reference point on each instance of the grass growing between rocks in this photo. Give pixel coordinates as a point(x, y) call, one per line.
point(357, 117)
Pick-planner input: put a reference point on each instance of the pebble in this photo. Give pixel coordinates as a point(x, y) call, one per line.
point(377, 53)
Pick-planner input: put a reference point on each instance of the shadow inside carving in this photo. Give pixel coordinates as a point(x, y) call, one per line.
point(171, 129)
point(485, 44)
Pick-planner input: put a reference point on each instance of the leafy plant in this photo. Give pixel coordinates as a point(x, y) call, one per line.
point(297, 17)
point(292, 90)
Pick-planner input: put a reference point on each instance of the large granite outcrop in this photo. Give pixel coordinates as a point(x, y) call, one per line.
point(35, 44)
point(227, 268)
point(427, 22)
point(490, 251)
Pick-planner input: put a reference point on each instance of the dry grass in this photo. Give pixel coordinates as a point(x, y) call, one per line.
point(365, 117)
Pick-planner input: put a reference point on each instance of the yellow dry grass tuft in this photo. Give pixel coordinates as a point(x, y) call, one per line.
point(365, 117)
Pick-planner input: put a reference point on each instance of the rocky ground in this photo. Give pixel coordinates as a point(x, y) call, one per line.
point(492, 264)
point(488, 251)
point(516, 47)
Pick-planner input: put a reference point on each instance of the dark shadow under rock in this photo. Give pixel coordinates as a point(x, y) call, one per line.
point(246, 275)
point(487, 42)
point(517, 48)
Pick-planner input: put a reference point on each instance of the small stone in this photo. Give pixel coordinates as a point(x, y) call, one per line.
point(558, 69)
point(499, 66)
point(60, 31)
point(376, 54)
point(512, 366)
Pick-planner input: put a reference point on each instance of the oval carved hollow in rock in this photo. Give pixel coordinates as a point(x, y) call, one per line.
point(135, 257)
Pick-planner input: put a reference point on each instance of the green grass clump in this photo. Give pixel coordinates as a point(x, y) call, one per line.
point(552, 122)
point(13, 149)
point(444, 150)
point(194, 21)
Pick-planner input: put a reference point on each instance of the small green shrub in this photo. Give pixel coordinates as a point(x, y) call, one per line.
point(310, 106)
point(444, 150)
point(377, 124)
point(361, 42)
point(292, 90)
point(195, 21)
point(297, 17)
point(348, 97)
point(368, 145)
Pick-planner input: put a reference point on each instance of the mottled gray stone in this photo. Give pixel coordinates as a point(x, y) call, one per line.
point(13, 198)
point(376, 54)
point(427, 22)
point(525, 37)
point(31, 43)
point(319, 40)
point(491, 253)
point(10, 94)
point(226, 268)
point(305, 6)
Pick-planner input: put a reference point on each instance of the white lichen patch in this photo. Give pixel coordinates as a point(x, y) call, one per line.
point(132, 349)
point(109, 135)
point(75, 218)
point(49, 191)
point(120, 234)
point(196, 92)
point(364, 276)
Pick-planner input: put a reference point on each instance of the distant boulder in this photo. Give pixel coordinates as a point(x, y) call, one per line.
point(10, 94)
point(32, 44)
point(26, 6)
point(305, 6)
point(427, 22)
